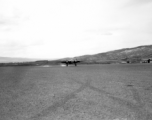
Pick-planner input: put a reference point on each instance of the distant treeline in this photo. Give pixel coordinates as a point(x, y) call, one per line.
point(35, 63)
point(58, 62)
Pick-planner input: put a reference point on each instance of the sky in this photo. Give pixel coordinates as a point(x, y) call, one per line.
point(66, 28)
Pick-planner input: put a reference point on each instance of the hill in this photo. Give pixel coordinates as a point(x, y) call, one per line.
point(132, 55)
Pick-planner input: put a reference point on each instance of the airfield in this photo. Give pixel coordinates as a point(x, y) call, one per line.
point(85, 92)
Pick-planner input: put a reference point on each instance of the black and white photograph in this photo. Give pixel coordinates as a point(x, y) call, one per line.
point(75, 59)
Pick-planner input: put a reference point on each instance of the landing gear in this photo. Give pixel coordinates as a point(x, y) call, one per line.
point(67, 64)
point(75, 63)
point(148, 61)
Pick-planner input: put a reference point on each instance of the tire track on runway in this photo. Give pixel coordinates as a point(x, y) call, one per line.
point(138, 107)
point(53, 108)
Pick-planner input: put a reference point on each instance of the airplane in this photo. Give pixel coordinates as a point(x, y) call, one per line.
point(71, 61)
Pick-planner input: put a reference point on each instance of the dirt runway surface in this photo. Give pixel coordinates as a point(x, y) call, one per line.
point(86, 92)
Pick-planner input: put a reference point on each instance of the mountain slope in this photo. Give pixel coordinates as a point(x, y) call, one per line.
point(127, 54)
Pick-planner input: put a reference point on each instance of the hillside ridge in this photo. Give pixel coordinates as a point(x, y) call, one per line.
point(135, 54)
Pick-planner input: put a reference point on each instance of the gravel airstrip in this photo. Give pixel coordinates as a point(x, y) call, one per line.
point(85, 92)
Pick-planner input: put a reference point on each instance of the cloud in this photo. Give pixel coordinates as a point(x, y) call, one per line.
point(9, 22)
point(4, 21)
point(13, 48)
point(105, 32)
point(5, 24)
point(137, 2)
point(142, 1)
point(69, 28)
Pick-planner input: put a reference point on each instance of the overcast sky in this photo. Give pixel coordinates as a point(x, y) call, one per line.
point(66, 28)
